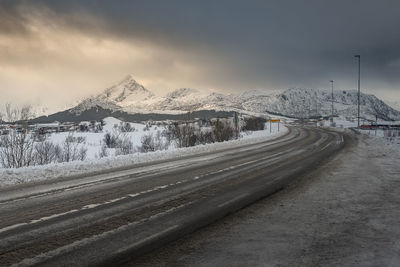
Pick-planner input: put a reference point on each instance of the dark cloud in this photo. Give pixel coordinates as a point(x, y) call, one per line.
point(244, 44)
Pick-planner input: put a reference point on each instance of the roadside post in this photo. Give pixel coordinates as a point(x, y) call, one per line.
point(236, 120)
point(270, 123)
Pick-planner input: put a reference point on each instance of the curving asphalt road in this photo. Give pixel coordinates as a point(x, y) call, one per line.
point(109, 218)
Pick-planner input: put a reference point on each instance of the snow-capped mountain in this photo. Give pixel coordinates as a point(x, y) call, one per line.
point(311, 102)
point(131, 97)
point(182, 99)
point(393, 104)
point(126, 93)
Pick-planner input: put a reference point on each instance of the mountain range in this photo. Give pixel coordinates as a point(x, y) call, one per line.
point(129, 97)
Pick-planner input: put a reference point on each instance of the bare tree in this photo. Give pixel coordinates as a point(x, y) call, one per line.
point(205, 137)
point(17, 147)
point(155, 142)
point(124, 145)
point(222, 131)
point(160, 143)
point(184, 134)
point(147, 143)
point(45, 153)
point(72, 149)
point(82, 153)
point(14, 114)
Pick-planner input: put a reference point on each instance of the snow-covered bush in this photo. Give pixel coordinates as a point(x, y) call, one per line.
point(126, 127)
point(110, 140)
point(124, 146)
point(147, 143)
point(222, 131)
point(152, 142)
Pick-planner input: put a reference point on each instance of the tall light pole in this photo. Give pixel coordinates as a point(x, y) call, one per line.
point(332, 96)
point(359, 72)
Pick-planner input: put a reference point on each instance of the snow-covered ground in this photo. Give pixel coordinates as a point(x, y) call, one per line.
point(93, 142)
point(342, 123)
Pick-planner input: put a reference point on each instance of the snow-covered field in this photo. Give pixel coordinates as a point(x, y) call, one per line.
point(342, 123)
point(93, 142)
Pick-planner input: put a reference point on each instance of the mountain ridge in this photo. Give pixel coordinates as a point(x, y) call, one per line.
point(131, 97)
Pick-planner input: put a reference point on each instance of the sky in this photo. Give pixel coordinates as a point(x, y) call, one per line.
point(53, 53)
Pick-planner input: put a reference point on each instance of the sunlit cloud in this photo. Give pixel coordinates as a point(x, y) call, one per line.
point(57, 52)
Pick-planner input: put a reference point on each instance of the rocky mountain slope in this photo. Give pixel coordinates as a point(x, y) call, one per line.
point(130, 97)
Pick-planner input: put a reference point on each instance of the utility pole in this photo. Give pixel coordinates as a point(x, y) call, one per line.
point(332, 96)
point(359, 72)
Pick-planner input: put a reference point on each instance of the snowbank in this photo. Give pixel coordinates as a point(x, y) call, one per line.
point(58, 170)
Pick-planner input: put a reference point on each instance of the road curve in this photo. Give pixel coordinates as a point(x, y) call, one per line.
point(107, 219)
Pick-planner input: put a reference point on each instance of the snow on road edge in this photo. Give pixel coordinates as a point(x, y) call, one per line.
point(60, 170)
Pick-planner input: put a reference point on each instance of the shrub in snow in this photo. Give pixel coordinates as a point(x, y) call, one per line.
point(205, 137)
point(254, 124)
point(161, 143)
point(124, 145)
point(152, 142)
point(46, 152)
point(16, 149)
point(83, 128)
point(147, 143)
point(110, 140)
point(222, 131)
point(72, 150)
point(103, 152)
point(82, 153)
point(184, 134)
point(126, 127)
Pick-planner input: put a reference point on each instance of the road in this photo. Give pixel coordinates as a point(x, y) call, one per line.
point(344, 213)
point(111, 218)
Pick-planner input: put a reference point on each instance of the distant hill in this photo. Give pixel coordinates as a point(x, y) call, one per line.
point(129, 99)
point(98, 113)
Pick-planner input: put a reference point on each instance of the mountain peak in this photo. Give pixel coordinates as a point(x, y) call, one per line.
point(129, 79)
point(126, 92)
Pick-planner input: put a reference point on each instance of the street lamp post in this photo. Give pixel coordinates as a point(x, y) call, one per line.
point(359, 67)
point(332, 96)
